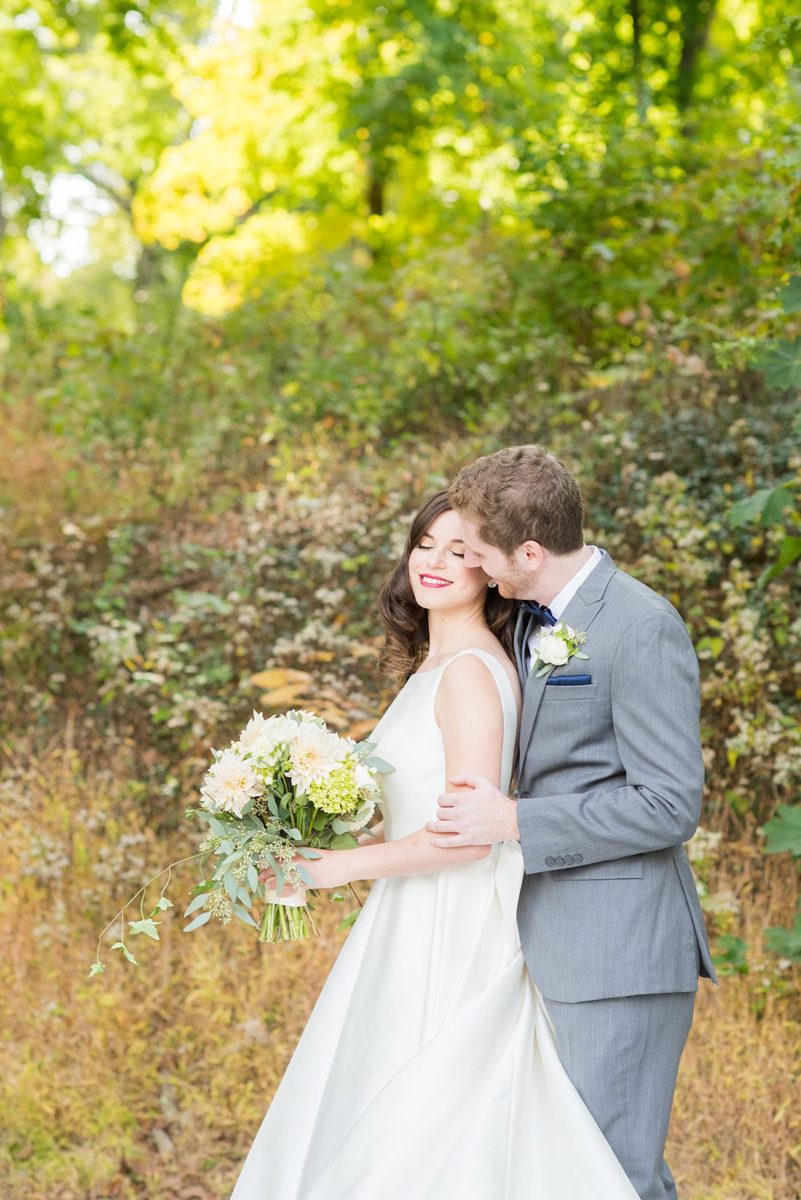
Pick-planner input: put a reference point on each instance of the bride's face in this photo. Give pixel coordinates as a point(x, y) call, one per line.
point(437, 571)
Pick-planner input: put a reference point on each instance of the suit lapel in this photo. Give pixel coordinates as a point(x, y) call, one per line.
point(580, 613)
point(522, 628)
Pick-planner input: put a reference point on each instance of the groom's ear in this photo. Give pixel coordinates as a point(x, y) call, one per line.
point(532, 553)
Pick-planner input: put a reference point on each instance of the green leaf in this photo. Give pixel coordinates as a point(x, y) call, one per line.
point(790, 296)
point(780, 363)
point(243, 896)
point(343, 841)
point(786, 943)
point(768, 506)
point(97, 968)
point(784, 831)
point(730, 956)
point(253, 877)
point(198, 902)
point(245, 916)
point(163, 903)
point(713, 644)
point(147, 926)
point(126, 952)
point(207, 885)
point(230, 885)
point(789, 552)
point(198, 921)
point(349, 920)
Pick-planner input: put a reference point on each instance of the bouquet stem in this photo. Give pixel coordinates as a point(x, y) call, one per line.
point(286, 923)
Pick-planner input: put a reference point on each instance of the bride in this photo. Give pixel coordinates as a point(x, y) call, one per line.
point(428, 1068)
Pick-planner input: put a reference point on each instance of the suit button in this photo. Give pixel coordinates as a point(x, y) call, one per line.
point(577, 858)
point(558, 861)
point(569, 860)
point(550, 862)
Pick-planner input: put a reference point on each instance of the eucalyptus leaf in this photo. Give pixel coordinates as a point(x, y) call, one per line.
point(198, 902)
point(245, 916)
point(380, 765)
point(198, 921)
point(253, 877)
point(231, 886)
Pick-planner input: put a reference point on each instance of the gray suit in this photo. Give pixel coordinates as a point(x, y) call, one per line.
point(610, 777)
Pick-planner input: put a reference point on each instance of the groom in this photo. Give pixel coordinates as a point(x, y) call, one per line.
point(610, 777)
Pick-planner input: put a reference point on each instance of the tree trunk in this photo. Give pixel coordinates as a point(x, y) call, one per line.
point(635, 13)
point(696, 21)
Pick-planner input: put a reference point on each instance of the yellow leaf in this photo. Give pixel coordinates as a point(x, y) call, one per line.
point(291, 694)
point(360, 729)
point(278, 677)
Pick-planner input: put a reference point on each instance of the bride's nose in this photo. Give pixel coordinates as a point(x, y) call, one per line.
point(436, 556)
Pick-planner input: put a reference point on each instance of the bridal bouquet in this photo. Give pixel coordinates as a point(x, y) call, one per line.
point(285, 788)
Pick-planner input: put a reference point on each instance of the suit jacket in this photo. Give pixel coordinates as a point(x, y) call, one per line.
point(610, 779)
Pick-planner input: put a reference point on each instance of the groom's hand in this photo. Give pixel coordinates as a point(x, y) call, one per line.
point(475, 817)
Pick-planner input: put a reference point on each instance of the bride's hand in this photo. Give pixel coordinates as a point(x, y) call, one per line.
point(328, 871)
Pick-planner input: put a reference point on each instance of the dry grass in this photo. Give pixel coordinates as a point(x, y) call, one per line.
point(152, 1082)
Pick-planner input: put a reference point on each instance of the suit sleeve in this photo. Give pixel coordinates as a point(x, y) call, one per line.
point(655, 715)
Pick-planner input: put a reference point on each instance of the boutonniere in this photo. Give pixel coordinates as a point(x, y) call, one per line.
point(558, 647)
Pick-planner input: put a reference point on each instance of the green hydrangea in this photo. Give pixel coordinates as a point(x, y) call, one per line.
point(338, 793)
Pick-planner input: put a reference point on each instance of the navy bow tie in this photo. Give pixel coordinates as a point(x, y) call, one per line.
point(540, 611)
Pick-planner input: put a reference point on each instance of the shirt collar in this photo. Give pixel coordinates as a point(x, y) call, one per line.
point(563, 598)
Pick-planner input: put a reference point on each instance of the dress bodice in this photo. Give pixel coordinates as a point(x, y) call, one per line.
point(408, 737)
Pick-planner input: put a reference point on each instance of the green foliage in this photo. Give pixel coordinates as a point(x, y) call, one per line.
point(786, 943)
point(784, 831)
point(730, 956)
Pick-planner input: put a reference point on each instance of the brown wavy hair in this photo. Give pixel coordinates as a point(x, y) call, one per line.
point(405, 622)
point(521, 494)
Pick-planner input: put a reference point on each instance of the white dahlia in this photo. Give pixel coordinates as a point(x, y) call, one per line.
point(313, 754)
point(265, 733)
point(229, 783)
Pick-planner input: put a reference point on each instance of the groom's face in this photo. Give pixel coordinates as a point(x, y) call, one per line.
point(514, 576)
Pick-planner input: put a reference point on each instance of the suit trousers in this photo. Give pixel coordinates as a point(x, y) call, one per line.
point(622, 1055)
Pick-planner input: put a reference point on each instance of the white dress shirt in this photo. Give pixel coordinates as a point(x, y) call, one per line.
point(561, 601)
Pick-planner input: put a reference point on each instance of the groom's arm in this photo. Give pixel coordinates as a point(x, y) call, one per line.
point(655, 710)
point(655, 704)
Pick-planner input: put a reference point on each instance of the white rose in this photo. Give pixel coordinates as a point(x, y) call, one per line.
point(553, 650)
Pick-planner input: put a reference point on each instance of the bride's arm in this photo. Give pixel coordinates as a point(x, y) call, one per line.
point(372, 835)
point(470, 716)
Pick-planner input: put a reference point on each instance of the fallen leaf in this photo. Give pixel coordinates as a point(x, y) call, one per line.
point(291, 694)
point(361, 728)
point(278, 677)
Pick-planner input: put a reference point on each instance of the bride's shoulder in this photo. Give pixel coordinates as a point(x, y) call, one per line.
point(475, 672)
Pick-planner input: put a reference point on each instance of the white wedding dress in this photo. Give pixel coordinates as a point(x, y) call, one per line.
point(428, 1069)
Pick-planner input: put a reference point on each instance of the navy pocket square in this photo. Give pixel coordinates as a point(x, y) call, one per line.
point(568, 680)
